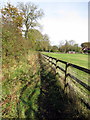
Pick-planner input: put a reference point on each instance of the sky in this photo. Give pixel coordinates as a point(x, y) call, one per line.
point(63, 19)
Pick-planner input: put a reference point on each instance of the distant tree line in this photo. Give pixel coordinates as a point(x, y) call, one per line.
point(71, 46)
point(66, 46)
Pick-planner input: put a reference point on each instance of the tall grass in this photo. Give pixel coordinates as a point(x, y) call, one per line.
point(19, 81)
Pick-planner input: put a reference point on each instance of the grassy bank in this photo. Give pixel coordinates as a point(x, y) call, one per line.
point(20, 87)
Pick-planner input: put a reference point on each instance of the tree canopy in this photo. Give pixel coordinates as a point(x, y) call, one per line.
point(12, 15)
point(14, 19)
point(69, 46)
point(31, 14)
point(35, 37)
point(85, 44)
point(86, 47)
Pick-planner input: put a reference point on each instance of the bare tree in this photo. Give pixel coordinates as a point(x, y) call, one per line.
point(71, 42)
point(31, 14)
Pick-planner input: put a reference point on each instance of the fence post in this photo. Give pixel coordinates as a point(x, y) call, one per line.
point(65, 85)
point(56, 66)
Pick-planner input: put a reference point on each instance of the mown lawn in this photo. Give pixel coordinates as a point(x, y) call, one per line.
point(78, 59)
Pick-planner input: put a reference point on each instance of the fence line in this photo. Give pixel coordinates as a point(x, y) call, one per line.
point(86, 86)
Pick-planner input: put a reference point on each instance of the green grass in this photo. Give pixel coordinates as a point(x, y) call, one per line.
point(20, 88)
point(77, 59)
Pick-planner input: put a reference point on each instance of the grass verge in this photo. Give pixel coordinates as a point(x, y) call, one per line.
point(20, 87)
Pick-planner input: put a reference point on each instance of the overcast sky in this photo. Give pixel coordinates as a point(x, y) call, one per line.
point(63, 19)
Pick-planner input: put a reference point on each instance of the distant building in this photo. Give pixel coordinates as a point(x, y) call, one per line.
point(71, 52)
point(85, 47)
point(86, 50)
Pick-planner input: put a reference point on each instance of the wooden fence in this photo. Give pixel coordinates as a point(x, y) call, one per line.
point(84, 88)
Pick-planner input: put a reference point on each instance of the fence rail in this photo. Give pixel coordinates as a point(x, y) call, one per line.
point(67, 74)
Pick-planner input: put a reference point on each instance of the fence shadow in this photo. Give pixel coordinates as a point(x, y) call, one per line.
point(53, 103)
point(27, 100)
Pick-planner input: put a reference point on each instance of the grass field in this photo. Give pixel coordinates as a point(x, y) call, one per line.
point(77, 59)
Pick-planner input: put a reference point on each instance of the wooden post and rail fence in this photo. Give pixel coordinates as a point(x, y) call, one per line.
point(72, 78)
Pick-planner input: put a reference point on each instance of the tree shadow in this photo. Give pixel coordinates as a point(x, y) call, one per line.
point(53, 102)
point(26, 101)
point(30, 110)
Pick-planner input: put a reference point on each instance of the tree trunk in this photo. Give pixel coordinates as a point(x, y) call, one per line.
point(26, 34)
